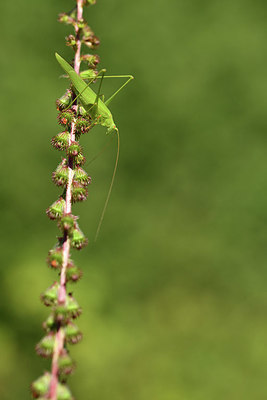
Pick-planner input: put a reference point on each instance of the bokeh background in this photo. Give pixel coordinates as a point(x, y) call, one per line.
point(174, 291)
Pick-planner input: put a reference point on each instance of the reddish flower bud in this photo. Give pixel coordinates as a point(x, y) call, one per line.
point(55, 258)
point(74, 149)
point(61, 140)
point(82, 126)
point(65, 118)
point(73, 273)
point(87, 32)
point(71, 41)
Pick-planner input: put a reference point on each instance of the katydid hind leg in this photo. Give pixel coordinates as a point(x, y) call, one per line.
point(130, 77)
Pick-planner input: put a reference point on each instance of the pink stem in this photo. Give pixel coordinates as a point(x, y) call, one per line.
point(60, 337)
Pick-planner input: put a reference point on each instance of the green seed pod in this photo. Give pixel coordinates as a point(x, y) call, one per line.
point(50, 323)
point(78, 240)
point(67, 222)
point(40, 387)
point(81, 177)
point(73, 273)
point(79, 160)
point(56, 210)
point(65, 364)
point(55, 258)
point(66, 118)
point(70, 309)
point(49, 297)
point(74, 149)
point(79, 193)
point(82, 126)
point(63, 392)
point(64, 101)
point(45, 347)
point(72, 333)
point(61, 174)
point(61, 140)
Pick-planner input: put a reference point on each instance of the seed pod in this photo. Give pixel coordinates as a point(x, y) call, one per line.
point(71, 42)
point(50, 323)
point(82, 126)
point(65, 364)
point(79, 160)
point(65, 118)
point(63, 392)
point(87, 32)
point(45, 347)
point(55, 258)
point(67, 222)
point(70, 309)
point(56, 210)
point(91, 59)
point(66, 19)
point(49, 297)
point(78, 240)
point(40, 388)
point(79, 193)
point(61, 140)
point(81, 177)
point(74, 149)
point(73, 273)
point(72, 333)
point(61, 174)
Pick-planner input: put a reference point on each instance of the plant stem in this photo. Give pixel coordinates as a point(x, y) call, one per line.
point(60, 336)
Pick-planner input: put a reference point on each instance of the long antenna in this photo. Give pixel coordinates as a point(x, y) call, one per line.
point(110, 188)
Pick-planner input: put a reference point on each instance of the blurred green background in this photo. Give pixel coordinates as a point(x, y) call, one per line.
point(174, 291)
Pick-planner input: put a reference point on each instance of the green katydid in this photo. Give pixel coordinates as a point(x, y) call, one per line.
point(96, 108)
point(90, 100)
